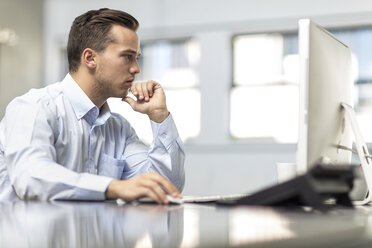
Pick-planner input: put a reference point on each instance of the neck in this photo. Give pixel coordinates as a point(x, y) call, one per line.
point(88, 84)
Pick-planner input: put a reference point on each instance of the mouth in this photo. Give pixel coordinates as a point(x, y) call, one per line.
point(129, 82)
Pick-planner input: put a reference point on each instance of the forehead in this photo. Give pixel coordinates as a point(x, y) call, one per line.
point(124, 37)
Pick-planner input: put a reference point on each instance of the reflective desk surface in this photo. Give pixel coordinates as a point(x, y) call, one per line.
point(107, 224)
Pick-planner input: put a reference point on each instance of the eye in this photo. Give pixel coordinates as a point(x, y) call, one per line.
point(128, 57)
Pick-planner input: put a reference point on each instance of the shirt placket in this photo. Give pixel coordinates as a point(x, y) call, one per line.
point(92, 146)
point(92, 141)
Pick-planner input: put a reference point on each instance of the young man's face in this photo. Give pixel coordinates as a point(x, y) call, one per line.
point(117, 65)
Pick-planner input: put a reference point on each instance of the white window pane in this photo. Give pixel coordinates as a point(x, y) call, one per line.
point(264, 101)
point(365, 123)
point(258, 59)
point(172, 63)
point(291, 68)
point(179, 78)
point(265, 112)
point(364, 110)
point(185, 106)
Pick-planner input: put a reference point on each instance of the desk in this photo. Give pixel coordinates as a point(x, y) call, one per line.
point(106, 224)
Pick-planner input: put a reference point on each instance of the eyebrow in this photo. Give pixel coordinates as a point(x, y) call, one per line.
point(131, 51)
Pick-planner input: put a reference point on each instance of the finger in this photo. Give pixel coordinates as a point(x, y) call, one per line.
point(130, 101)
point(145, 91)
point(167, 185)
point(134, 91)
point(156, 86)
point(150, 88)
point(140, 93)
point(154, 191)
point(160, 192)
point(153, 195)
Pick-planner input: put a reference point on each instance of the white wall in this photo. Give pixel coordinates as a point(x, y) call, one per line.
point(20, 65)
point(215, 163)
point(168, 18)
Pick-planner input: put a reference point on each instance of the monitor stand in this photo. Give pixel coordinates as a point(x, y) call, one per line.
point(323, 187)
point(362, 151)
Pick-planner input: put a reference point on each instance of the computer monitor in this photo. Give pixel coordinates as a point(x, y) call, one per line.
point(325, 82)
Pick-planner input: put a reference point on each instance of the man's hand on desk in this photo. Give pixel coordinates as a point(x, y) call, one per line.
point(151, 185)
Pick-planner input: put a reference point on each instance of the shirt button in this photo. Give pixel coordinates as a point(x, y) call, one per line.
point(163, 135)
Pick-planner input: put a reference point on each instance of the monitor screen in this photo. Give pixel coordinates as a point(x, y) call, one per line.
point(325, 82)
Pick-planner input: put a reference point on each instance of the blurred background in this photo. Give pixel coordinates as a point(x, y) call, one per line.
point(229, 68)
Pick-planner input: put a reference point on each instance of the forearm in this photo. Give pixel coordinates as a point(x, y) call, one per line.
point(43, 179)
point(169, 162)
point(165, 156)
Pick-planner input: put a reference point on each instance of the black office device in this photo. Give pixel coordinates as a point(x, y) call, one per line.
point(320, 186)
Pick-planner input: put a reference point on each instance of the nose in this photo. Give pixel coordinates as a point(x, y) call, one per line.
point(135, 68)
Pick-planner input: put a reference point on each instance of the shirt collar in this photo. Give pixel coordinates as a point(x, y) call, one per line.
point(81, 103)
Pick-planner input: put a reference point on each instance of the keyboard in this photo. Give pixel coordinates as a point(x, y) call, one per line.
point(206, 199)
point(192, 199)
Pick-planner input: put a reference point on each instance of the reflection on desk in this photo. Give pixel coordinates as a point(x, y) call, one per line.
point(106, 224)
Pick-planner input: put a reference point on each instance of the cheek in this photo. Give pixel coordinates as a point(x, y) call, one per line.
point(118, 66)
point(111, 68)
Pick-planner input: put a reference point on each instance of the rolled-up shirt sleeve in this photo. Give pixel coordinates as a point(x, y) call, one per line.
point(165, 155)
point(30, 157)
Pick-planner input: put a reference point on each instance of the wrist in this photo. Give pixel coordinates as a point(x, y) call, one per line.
point(159, 116)
point(111, 190)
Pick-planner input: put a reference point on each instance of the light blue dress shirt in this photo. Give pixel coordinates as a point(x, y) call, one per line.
point(56, 144)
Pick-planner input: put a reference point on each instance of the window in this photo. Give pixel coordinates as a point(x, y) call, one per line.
point(173, 64)
point(264, 97)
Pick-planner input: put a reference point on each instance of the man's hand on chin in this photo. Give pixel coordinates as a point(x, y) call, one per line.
point(150, 100)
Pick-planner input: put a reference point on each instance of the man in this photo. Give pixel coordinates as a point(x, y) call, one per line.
point(62, 141)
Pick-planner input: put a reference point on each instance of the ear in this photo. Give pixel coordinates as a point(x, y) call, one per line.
point(88, 58)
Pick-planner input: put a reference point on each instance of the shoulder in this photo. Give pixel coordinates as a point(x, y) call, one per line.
point(35, 99)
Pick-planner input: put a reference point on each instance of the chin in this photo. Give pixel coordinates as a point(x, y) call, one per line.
point(125, 94)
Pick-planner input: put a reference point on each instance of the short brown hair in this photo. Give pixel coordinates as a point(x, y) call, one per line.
point(92, 30)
